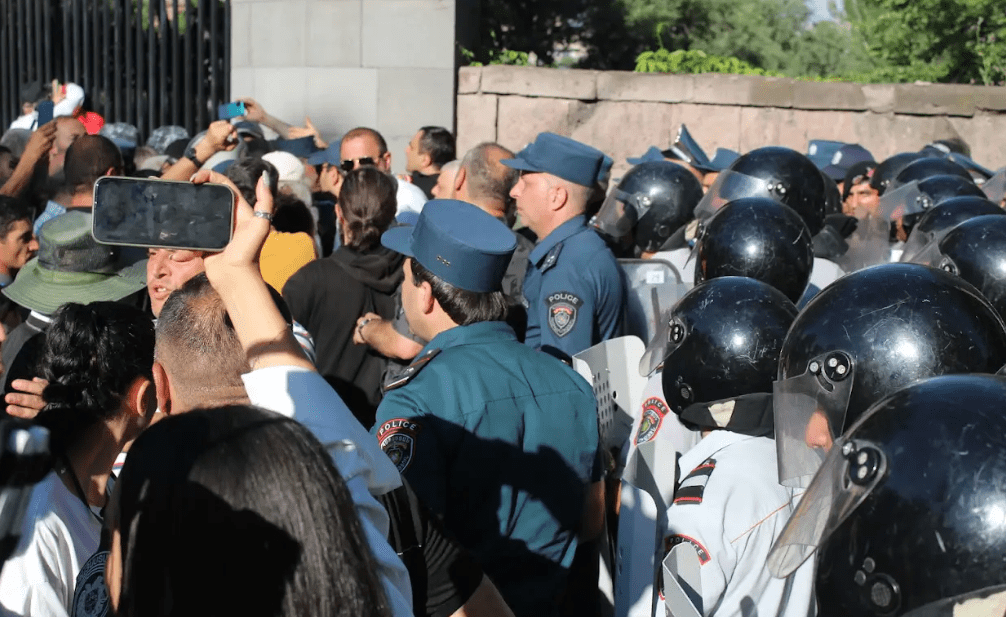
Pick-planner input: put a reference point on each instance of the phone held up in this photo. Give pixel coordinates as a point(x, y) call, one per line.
point(162, 214)
point(44, 110)
point(226, 111)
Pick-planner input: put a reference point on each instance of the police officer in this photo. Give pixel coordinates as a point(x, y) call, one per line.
point(573, 288)
point(907, 511)
point(865, 336)
point(499, 440)
point(729, 506)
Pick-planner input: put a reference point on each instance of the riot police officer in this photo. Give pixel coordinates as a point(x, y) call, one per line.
point(729, 507)
point(866, 335)
point(907, 511)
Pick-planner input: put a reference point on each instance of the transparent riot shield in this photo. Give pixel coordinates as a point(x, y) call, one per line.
point(653, 286)
point(609, 368)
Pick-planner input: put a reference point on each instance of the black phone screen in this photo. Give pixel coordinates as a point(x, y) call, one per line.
point(160, 213)
point(44, 109)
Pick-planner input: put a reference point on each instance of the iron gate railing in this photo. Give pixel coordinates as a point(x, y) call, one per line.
point(146, 62)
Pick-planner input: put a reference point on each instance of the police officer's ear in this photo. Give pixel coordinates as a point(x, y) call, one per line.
point(425, 299)
point(460, 179)
point(558, 196)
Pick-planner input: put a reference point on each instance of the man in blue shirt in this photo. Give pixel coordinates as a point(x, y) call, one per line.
point(573, 289)
point(498, 439)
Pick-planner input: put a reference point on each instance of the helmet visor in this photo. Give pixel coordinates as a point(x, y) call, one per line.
point(995, 187)
point(904, 201)
point(669, 336)
point(928, 255)
point(869, 245)
point(729, 186)
point(809, 414)
point(618, 214)
point(850, 472)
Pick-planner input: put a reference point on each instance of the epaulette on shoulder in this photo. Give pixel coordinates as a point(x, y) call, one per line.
point(693, 487)
point(399, 379)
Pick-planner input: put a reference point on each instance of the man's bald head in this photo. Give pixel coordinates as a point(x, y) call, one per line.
point(487, 182)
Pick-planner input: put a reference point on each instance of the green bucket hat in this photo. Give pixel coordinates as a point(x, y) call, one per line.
point(72, 267)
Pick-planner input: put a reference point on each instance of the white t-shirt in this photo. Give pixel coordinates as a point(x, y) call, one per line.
point(410, 197)
point(305, 396)
point(58, 535)
point(74, 97)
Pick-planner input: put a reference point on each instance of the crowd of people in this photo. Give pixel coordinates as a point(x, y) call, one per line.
point(366, 403)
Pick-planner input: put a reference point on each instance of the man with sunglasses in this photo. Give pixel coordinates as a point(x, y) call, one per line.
point(362, 147)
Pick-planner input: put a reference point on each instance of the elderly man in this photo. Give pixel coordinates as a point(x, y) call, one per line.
point(573, 290)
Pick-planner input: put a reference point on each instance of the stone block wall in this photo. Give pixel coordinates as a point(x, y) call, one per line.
point(386, 64)
point(624, 113)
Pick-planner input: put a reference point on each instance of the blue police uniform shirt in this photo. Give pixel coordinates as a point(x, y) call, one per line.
point(501, 441)
point(573, 290)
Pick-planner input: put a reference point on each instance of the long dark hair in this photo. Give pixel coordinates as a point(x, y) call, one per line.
point(238, 510)
point(91, 354)
point(368, 201)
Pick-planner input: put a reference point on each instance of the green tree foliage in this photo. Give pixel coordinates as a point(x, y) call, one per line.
point(692, 61)
point(958, 41)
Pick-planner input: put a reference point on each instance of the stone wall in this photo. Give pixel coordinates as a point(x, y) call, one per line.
point(387, 64)
point(624, 113)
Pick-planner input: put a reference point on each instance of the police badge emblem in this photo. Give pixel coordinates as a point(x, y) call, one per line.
point(90, 596)
point(562, 310)
point(398, 440)
point(654, 410)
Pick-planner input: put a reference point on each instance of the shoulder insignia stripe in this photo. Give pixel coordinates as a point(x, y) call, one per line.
point(398, 380)
point(693, 486)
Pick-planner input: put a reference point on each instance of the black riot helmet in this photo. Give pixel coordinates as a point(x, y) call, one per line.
point(908, 510)
point(655, 198)
point(863, 337)
point(758, 238)
point(975, 250)
point(927, 167)
point(889, 168)
point(776, 173)
point(910, 201)
point(936, 222)
point(724, 338)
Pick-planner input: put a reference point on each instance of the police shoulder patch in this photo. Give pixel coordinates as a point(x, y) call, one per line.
point(90, 596)
point(562, 312)
point(654, 410)
point(397, 438)
point(397, 380)
point(693, 487)
point(676, 539)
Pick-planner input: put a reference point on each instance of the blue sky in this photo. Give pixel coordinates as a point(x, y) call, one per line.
point(819, 9)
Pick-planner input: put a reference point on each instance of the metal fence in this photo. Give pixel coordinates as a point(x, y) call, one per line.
point(146, 62)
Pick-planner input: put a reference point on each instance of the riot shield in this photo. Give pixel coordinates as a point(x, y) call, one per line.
point(653, 287)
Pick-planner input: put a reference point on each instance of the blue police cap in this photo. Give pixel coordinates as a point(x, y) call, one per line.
point(459, 243)
point(560, 156)
point(821, 151)
point(652, 154)
point(723, 158)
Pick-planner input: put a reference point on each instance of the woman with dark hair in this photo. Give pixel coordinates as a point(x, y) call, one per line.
point(98, 362)
point(236, 511)
point(327, 295)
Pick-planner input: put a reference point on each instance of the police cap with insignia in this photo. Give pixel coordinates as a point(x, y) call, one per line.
point(460, 244)
point(560, 156)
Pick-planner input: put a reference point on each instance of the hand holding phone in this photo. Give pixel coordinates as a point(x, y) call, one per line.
point(163, 214)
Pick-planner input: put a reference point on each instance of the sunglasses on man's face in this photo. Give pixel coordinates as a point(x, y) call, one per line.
point(350, 164)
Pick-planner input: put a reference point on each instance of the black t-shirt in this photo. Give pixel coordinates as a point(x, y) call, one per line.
point(442, 572)
point(425, 182)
